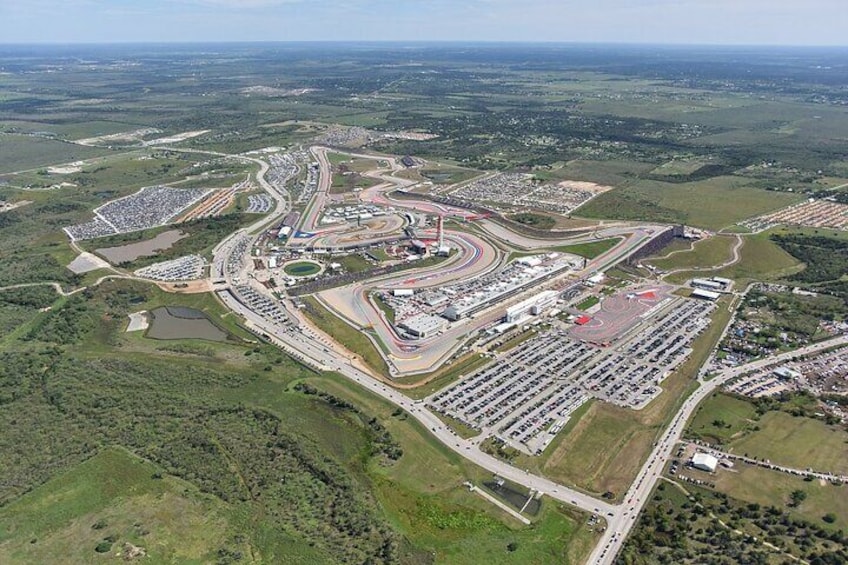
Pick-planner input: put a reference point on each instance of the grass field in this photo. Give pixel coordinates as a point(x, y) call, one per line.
point(796, 442)
point(766, 487)
point(590, 250)
point(721, 417)
point(25, 152)
point(761, 259)
point(714, 203)
point(113, 495)
point(705, 253)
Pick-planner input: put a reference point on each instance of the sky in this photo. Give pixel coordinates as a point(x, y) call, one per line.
point(734, 22)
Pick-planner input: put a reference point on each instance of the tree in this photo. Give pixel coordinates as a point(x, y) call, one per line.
point(830, 517)
point(797, 497)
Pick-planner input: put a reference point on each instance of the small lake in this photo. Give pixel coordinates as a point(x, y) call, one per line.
point(146, 248)
point(177, 322)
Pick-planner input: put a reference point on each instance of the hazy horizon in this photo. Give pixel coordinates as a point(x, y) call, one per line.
point(815, 23)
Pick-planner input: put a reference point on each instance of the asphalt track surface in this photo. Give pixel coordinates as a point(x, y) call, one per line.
point(619, 313)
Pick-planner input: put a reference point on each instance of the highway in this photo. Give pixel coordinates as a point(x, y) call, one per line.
point(624, 518)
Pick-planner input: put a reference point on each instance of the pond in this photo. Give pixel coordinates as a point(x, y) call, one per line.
point(177, 322)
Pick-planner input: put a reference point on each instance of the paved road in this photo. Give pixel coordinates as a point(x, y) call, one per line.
point(622, 522)
point(309, 347)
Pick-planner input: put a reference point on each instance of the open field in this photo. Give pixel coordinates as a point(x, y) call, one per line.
point(721, 417)
point(761, 259)
point(705, 253)
point(796, 442)
point(766, 487)
point(25, 152)
point(713, 204)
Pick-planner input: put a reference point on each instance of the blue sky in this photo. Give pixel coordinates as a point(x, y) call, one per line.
point(774, 22)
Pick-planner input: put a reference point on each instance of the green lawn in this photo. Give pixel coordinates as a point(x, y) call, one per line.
point(797, 442)
point(705, 253)
point(588, 303)
point(590, 250)
point(721, 417)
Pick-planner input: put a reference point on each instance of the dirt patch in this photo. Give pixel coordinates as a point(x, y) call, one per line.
point(132, 251)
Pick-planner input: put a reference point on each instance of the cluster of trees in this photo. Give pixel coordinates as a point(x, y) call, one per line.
point(675, 529)
point(826, 257)
point(61, 405)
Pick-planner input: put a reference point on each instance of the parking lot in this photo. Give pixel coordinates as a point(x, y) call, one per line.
point(259, 203)
point(150, 207)
point(261, 304)
point(529, 393)
point(185, 268)
point(520, 189)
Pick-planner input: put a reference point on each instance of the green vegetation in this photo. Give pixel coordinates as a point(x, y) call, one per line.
point(760, 259)
point(590, 250)
point(385, 308)
point(534, 220)
point(118, 496)
point(20, 305)
point(797, 442)
point(713, 203)
point(704, 254)
point(588, 302)
point(23, 152)
point(766, 487)
point(217, 429)
point(688, 524)
point(354, 263)
point(722, 417)
point(783, 430)
point(825, 258)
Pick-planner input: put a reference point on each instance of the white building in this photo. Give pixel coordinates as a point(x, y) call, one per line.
point(705, 294)
point(403, 292)
point(534, 305)
point(423, 325)
point(707, 284)
point(705, 462)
